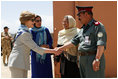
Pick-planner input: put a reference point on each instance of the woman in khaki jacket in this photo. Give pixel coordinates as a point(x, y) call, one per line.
point(19, 62)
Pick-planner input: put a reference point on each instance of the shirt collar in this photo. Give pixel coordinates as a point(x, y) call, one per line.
point(89, 24)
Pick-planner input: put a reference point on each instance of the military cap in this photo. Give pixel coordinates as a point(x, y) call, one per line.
point(84, 8)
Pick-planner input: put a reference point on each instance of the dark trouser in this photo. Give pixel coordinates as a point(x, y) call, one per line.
point(86, 68)
point(71, 69)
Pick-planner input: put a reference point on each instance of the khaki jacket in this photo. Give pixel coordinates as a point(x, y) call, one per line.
point(5, 43)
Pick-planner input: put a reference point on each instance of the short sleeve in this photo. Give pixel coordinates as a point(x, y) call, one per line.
point(101, 36)
point(75, 40)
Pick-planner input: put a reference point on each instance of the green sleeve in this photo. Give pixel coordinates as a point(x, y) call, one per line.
point(75, 40)
point(101, 36)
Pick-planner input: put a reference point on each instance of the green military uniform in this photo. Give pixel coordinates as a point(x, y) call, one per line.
point(89, 38)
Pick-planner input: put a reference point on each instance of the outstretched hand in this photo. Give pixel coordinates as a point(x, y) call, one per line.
point(58, 50)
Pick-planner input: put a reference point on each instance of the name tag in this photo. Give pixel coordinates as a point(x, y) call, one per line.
point(87, 41)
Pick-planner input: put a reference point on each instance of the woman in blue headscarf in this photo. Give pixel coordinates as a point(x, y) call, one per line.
point(41, 65)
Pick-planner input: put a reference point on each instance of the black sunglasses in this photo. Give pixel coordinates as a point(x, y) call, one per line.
point(37, 20)
point(32, 20)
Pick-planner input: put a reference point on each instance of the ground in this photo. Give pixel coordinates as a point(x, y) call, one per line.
point(5, 72)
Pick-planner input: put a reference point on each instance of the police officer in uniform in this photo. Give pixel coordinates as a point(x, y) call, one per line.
point(92, 43)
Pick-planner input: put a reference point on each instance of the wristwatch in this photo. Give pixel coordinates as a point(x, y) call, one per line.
point(96, 59)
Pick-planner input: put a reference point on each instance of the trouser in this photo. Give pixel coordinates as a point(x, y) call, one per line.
point(18, 73)
point(86, 68)
point(6, 52)
point(69, 69)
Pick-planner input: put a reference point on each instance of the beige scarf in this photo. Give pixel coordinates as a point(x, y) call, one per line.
point(65, 35)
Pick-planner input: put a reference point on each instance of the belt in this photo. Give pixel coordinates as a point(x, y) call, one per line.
point(86, 53)
point(70, 57)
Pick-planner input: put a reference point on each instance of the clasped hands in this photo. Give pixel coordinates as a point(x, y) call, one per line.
point(8, 38)
point(58, 50)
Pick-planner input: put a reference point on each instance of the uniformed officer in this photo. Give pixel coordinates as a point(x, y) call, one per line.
point(92, 43)
point(6, 44)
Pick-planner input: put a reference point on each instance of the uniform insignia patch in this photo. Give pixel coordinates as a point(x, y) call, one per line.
point(100, 34)
point(87, 41)
point(96, 23)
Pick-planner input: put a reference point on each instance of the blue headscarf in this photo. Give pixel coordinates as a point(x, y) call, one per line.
point(41, 38)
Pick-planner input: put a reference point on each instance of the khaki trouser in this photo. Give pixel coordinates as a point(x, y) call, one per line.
point(6, 49)
point(18, 73)
point(5, 52)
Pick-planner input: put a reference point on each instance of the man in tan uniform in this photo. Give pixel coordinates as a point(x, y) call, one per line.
point(6, 40)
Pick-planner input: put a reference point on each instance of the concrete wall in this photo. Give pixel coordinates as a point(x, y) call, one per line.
point(105, 12)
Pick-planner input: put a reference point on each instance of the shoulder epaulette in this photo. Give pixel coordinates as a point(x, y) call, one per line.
point(96, 23)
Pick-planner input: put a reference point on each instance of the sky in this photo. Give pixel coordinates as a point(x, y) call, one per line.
point(10, 13)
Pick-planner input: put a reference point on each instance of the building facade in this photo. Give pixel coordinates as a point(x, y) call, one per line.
point(103, 11)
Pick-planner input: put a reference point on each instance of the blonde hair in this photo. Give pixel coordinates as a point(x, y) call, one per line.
point(25, 16)
point(71, 21)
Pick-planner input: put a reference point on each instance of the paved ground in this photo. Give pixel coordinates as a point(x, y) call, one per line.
point(5, 73)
